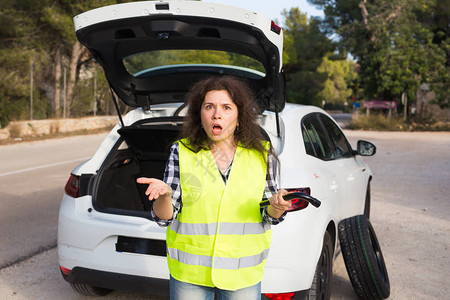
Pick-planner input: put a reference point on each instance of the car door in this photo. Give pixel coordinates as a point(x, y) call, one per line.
point(329, 169)
point(352, 173)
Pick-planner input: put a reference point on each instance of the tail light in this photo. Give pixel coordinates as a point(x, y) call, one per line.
point(282, 296)
point(275, 28)
point(299, 204)
point(72, 187)
point(64, 271)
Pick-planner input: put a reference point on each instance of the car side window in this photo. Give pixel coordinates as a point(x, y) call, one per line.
point(315, 138)
point(342, 146)
point(308, 144)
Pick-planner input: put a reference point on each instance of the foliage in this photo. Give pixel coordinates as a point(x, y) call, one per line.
point(376, 122)
point(15, 59)
point(341, 74)
point(39, 48)
point(92, 93)
point(152, 59)
point(36, 35)
point(305, 47)
point(380, 122)
point(399, 44)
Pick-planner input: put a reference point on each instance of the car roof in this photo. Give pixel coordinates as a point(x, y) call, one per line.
point(295, 109)
point(115, 32)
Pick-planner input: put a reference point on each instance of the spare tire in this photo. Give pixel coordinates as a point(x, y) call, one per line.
point(363, 258)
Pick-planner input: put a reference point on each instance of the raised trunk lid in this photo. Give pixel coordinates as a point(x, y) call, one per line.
point(116, 33)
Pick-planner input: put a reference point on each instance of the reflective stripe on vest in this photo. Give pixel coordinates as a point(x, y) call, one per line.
point(227, 263)
point(225, 228)
point(219, 238)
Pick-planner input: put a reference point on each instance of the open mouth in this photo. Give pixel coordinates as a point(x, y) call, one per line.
point(217, 129)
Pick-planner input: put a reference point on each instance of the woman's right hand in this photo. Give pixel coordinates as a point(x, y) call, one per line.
point(156, 187)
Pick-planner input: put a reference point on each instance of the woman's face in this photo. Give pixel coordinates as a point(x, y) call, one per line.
point(219, 116)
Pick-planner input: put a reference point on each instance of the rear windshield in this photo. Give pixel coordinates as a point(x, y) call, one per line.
point(144, 61)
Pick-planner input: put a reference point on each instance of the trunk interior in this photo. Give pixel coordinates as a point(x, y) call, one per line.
point(142, 151)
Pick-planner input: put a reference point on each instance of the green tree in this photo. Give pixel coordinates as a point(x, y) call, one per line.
point(435, 17)
point(152, 59)
point(67, 52)
point(341, 75)
point(37, 43)
point(398, 44)
point(305, 47)
point(20, 55)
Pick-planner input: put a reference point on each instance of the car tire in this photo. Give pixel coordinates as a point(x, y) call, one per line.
point(321, 286)
point(363, 258)
point(89, 290)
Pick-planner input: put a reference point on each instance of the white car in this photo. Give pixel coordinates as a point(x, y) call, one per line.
point(151, 52)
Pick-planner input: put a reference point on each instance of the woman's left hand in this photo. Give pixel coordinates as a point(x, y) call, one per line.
point(278, 205)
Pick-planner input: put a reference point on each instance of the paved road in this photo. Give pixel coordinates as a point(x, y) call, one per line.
point(343, 119)
point(409, 212)
point(32, 178)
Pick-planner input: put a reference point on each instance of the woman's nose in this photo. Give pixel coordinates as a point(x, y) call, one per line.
point(216, 114)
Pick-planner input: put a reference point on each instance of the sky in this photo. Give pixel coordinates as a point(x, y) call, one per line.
point(273, 8)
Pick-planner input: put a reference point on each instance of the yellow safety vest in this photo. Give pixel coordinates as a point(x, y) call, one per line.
point(219, 238)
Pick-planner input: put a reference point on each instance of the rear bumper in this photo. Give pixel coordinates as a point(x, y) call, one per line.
point(116, 281)
point(98, 241)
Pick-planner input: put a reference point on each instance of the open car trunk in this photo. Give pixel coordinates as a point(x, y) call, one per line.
point(152, 52)
point(142, 150)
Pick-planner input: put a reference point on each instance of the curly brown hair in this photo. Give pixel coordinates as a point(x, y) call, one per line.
point(249, 134)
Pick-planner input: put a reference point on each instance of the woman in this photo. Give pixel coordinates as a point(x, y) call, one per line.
point(218, 237)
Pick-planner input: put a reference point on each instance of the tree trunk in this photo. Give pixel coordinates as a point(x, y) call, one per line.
point(365, 16)
point(57, 96)
point(405, 109)
point(77, 52)
point(364, 12)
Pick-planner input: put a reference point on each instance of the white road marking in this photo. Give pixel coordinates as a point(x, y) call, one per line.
point(44, 166)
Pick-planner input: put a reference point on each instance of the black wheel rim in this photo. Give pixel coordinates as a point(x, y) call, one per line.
point(324, 273)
